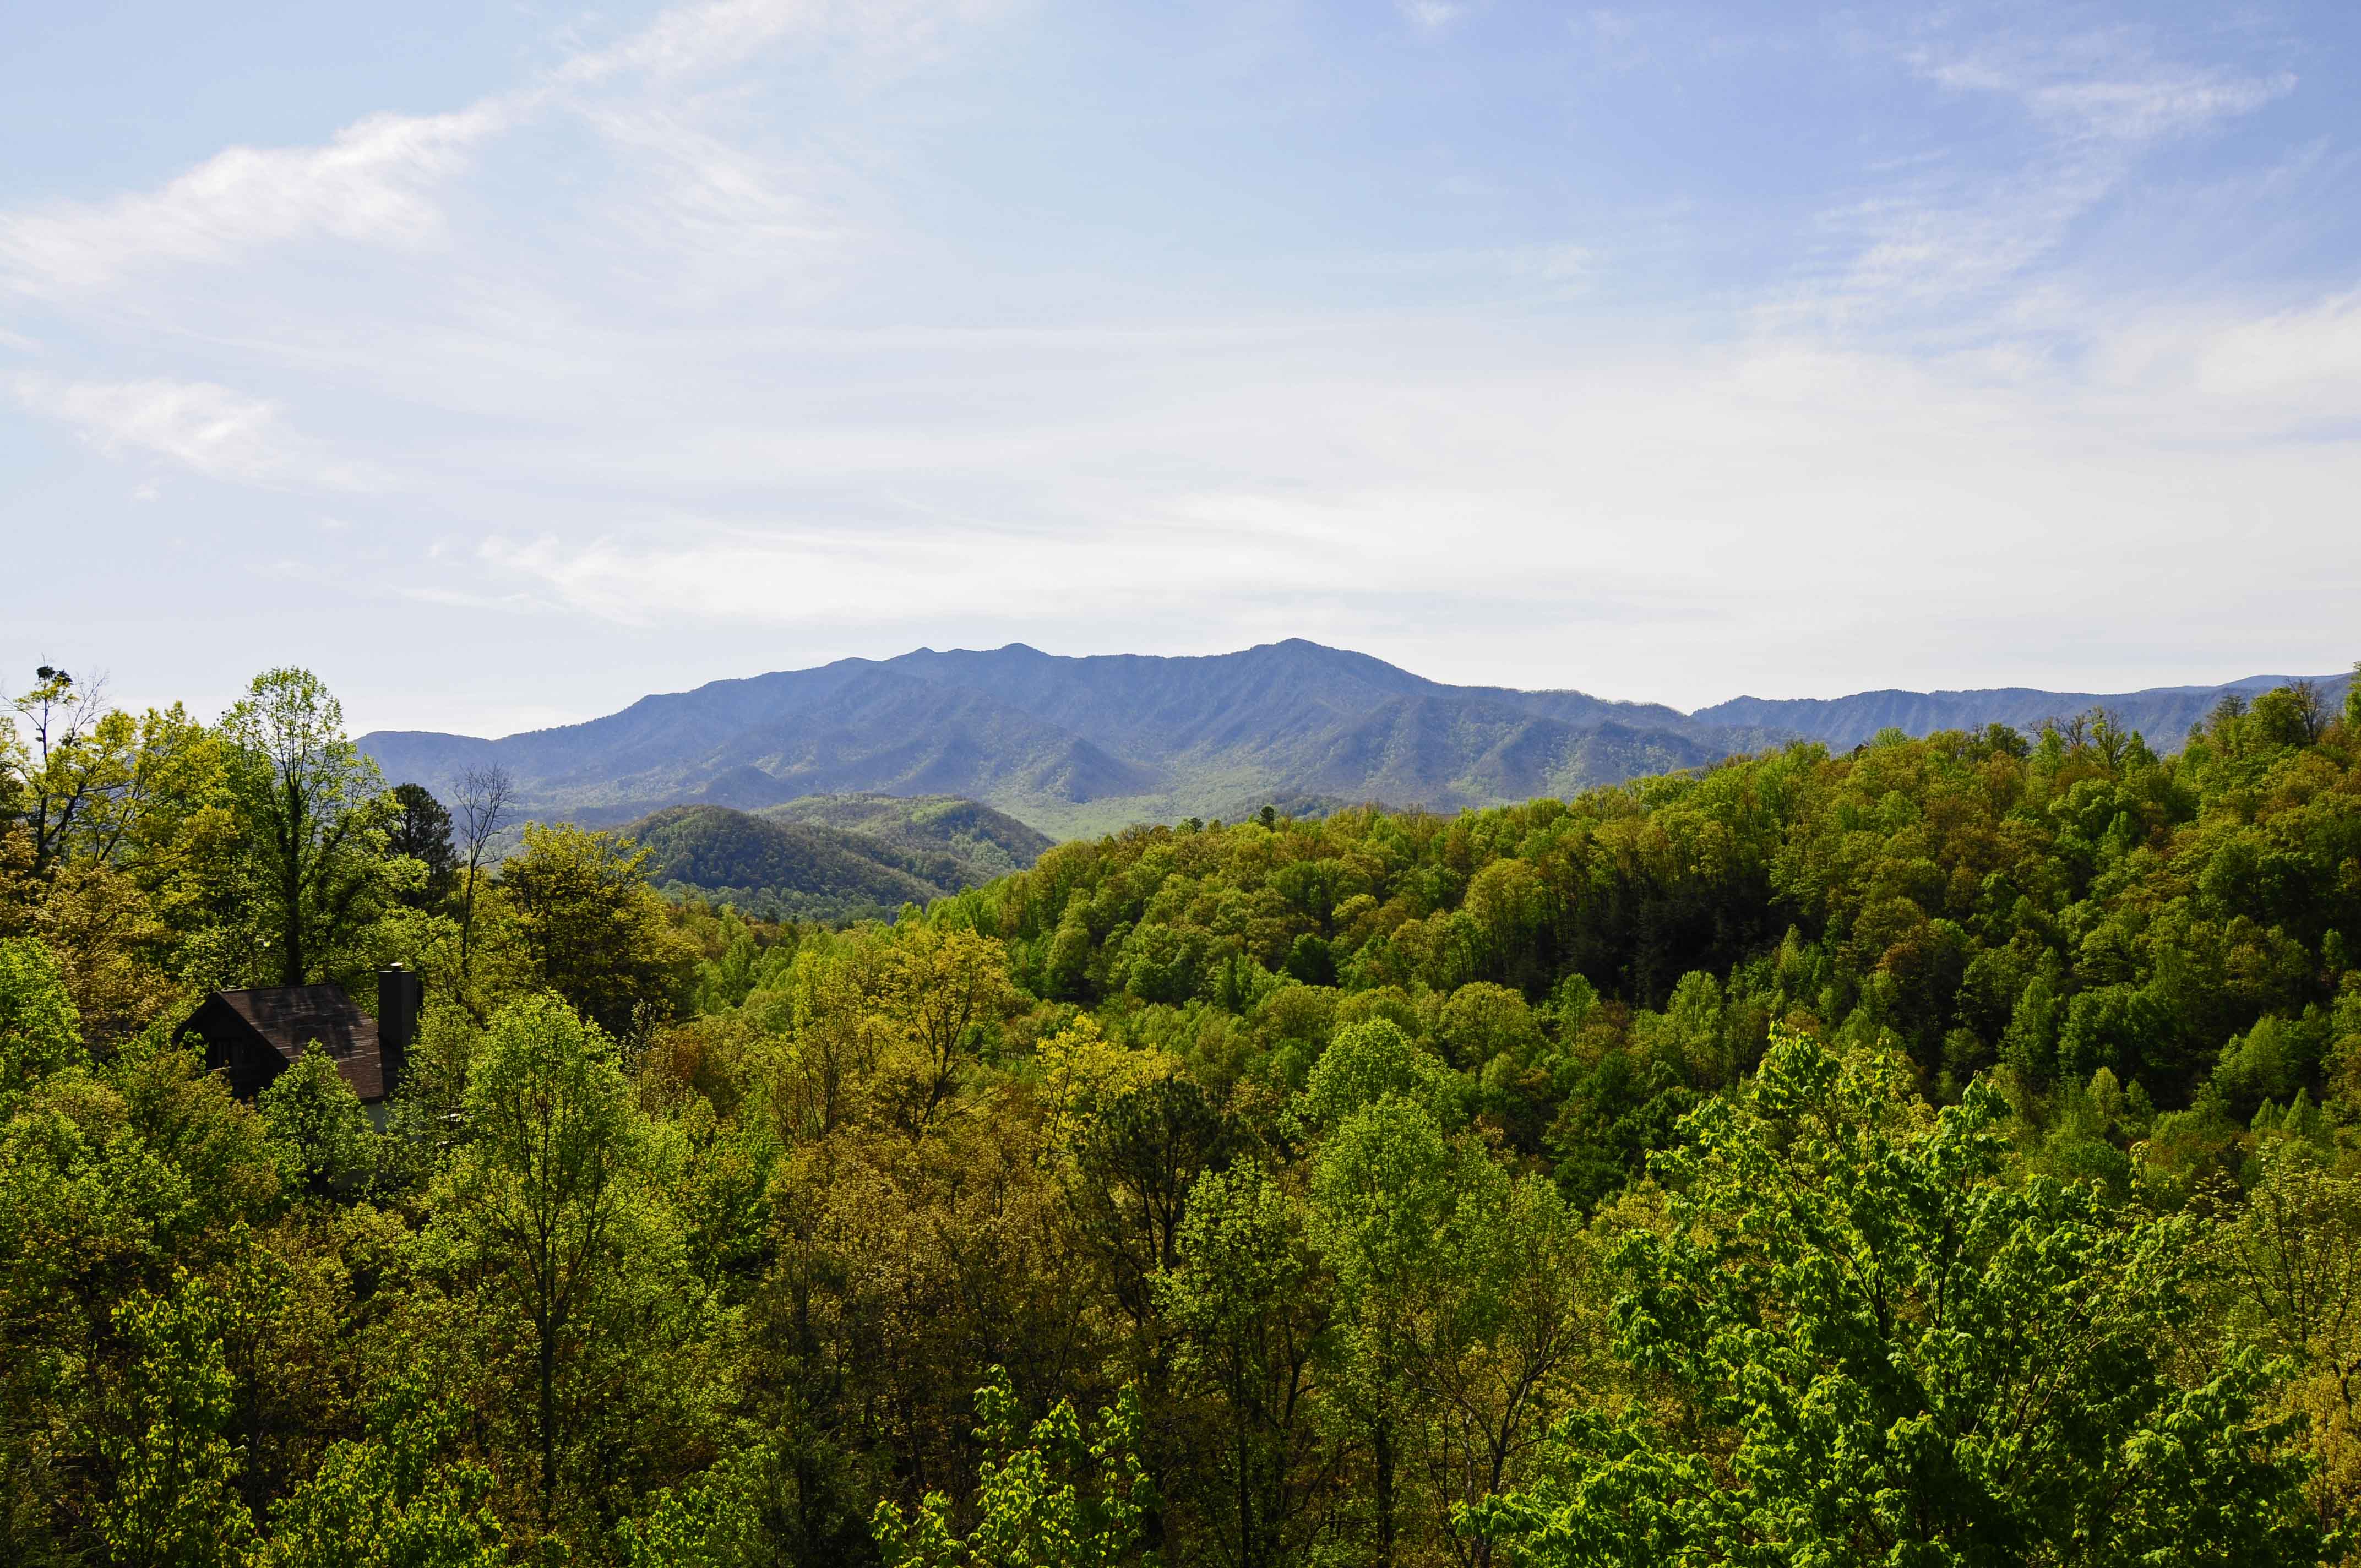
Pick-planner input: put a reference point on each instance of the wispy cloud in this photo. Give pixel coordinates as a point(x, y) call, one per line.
point(375, 181)
point(1940, 237)
point(784, 572)
point(715, 215)
point(686, 40)
point(1432, 15)
point(2291, 374)
point(2105, 85)
point(211, 429)
point(372, 184)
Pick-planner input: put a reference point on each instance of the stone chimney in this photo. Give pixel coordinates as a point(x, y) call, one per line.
point(398, 992)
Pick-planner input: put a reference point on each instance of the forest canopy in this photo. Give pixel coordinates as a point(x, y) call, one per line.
point(1946, 1151)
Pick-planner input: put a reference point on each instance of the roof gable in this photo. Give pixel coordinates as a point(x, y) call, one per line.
point(288, 1018)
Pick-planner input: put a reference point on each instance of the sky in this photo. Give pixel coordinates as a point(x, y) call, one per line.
point(502, 363)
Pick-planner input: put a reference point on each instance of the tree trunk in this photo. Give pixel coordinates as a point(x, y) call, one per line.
point(548, 1433)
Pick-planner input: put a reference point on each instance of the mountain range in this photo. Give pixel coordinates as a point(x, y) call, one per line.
point(2162, 714)
point(1077, 745)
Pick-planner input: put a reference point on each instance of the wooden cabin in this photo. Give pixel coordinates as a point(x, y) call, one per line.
point(252, 1036)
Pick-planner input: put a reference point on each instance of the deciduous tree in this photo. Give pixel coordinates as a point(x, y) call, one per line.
point(312, 815)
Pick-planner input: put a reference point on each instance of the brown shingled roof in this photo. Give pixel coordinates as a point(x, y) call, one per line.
point(288, 1018)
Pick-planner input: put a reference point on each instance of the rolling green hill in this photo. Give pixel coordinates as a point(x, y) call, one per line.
point(842, 856)
point(943, 838)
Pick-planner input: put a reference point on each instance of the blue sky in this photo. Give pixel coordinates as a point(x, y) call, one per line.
point(505, 363)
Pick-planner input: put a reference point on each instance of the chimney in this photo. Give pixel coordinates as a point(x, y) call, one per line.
point(398, 994)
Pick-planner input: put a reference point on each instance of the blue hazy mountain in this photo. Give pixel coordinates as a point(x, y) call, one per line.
point(1072, 745)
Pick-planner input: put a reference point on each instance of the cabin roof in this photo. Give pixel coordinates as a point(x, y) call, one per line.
point(288, 1018)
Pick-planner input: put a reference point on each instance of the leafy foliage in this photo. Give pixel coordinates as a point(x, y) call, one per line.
point(174, 1502)
point(317, 1126)
point(1912, 1359)
point(311, 818)
point(1941, 1152)
point(39, 1029)
point(390, 1501)
point(1055, 1497)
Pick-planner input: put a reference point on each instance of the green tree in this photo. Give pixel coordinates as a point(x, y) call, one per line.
point(1057, 1496)
point(421, 830)
point(1253, 1317)
point(312, 815)
point(2291, 1257)
point(1496, 1347)
point(175, 1502)
point(2293, 1254)
point(1456, 1290)
point(1136, 1159)
point(69, 760)
point(39, 1031)
point(538, 1199)
point(318, 1128)
point(941, 991)
point(714, 1521)
point(1382, 1193)
point(1905, 1358)
point(596, 931)
point(394, 1499)
point(1368, 1062)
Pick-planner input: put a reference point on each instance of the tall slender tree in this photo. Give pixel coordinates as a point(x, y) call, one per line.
point(421, 831)
point(485, 796)
point(539, 1195)
point(312, 814)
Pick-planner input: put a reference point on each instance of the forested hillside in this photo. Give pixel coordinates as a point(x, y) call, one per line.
point(1945, 1151)
point(982, 842)
point(832, 857)
point(774, 869)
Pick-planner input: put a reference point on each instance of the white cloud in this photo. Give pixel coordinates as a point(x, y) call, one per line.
point(2105, 84)
point(688, 39)
point(693, 571)
point(1941, 236)
point(2270, 376)
point(1759, 503)
point(2304, 364)
point(1432, 14)
point(372, 184)
point(212, 430)
point(711, 214)
point(375, 181)
point(2142, 110)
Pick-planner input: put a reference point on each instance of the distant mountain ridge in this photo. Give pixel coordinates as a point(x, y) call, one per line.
point(1074, 745)
point(2161, 713)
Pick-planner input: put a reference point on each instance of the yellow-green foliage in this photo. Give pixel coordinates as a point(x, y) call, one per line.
point(1942, 1152)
